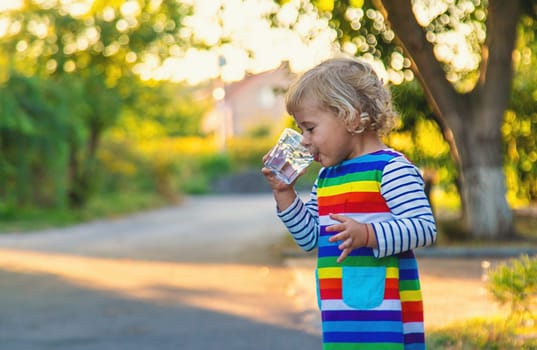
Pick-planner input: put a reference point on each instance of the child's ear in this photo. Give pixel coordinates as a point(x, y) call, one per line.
point(354, 123)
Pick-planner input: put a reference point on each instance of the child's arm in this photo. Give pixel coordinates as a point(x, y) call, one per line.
point(413, 225)
point(301, 219)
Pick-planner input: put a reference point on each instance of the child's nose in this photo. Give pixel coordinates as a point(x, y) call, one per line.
point(305, 141)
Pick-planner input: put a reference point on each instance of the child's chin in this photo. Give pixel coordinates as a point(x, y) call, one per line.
point(324, 163)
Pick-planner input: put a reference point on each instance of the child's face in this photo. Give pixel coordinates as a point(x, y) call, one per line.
point(325, 135)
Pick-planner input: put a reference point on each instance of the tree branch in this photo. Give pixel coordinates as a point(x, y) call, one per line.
point(438, 90)
point(411, 37)
point(497, 63)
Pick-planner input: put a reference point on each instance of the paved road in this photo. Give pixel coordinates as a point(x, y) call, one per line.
point(203, 275)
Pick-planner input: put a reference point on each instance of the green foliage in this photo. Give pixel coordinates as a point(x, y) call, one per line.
point(361, 29)
point(83, 78)
point(420, 138)
point(515, 284)
point(38, 123)
point(128, 169)
point(171, 106)
point(115, 204)
point(110, 38)
point(497, 334)
point(199, 173)
point(107, 205)
point(104, 105)
point(59, 127)
point(247, 152)
point(164, 165)
point(520, 124)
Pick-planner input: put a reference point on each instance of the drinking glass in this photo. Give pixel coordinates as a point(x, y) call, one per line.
point(288, 158)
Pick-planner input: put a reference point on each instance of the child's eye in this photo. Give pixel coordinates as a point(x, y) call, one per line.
point(305, 129)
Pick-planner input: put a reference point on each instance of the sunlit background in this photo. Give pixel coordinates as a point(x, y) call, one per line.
point(211, 84)
point(241, 23)
point(92, 126)
point(253, 45)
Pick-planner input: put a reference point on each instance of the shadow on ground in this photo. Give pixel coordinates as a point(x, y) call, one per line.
point(50, 310)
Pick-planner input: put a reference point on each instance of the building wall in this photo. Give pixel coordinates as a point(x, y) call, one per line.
point(257, 100)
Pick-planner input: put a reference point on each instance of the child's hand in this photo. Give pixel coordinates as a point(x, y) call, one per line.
point(352, 233)
point(276, 184)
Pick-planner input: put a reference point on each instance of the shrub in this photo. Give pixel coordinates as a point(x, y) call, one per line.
point(198, 173)
point(498, 334)
point(247, 152)
point(515, 283)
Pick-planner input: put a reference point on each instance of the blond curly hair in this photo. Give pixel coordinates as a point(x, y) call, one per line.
point(350, 89)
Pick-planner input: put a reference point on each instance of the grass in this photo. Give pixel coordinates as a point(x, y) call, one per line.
point(497, 334)
point(106, 206)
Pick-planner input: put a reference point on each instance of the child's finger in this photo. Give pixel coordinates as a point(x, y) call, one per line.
point(337, 237)
point(343, 255)
point(335, 228)
point(347, 244)
point(266, 171)
point(337, 217)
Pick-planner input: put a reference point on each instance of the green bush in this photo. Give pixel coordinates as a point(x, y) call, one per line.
point(247, 152)
point(497, 334)
point(515, 284)
point(198, 173)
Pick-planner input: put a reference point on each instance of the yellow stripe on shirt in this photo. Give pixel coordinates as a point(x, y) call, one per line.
point(329, 272)
point(362, 186)
point(411, 295)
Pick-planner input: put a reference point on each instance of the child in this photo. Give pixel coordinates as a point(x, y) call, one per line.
point(367, 210)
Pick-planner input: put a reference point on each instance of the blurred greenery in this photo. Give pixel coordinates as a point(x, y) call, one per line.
point(520, 124)
point(475, 334)
point(93, 59)
point(109, 205)
point(80, 132)
point(512, 283)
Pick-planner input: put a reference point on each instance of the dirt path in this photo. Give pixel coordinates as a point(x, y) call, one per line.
point(199, 276)
point(186, 278)
point(456, 290)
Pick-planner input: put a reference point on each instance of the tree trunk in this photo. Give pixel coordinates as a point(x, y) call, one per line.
point(486, 216)
point(471, 123)
point(82, 170)
point(486, 212)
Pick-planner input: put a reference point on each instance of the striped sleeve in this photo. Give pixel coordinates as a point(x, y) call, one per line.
point(301, 219)
point(413, 224)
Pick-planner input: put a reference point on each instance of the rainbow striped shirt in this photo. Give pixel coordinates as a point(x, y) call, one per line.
point(372, 300)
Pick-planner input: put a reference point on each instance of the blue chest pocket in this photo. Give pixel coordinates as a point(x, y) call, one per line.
point(363, 287)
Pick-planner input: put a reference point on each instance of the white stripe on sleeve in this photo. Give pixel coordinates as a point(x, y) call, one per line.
point(413, 224)
point(301, 219)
